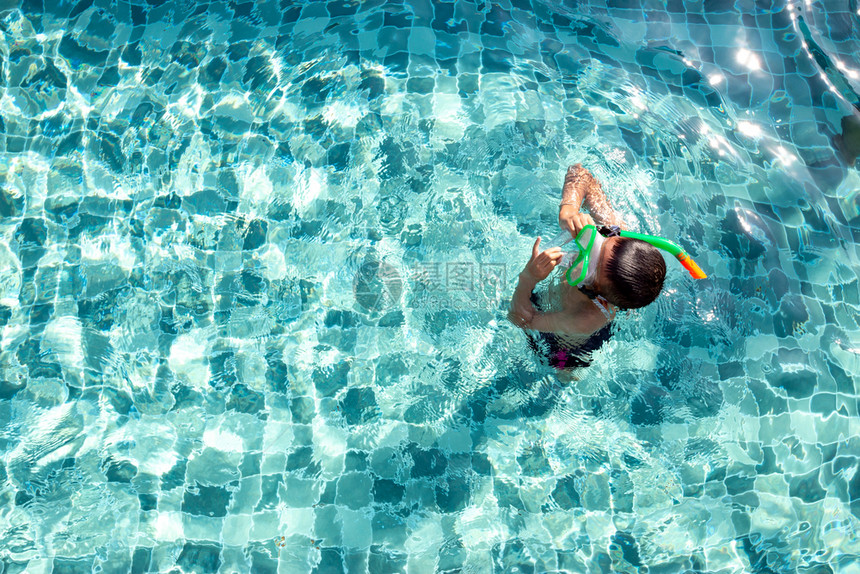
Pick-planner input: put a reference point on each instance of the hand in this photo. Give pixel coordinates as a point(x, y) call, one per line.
point(572, 220)
point(541, 263)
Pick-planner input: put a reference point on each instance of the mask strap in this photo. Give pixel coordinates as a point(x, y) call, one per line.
point(609, 231)
point(589, 293)
point(607, 306)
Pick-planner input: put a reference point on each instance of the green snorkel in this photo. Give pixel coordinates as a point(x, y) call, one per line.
point(584, 255)
point(673, 248)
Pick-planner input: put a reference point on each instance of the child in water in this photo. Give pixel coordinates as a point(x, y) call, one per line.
point(573, 317)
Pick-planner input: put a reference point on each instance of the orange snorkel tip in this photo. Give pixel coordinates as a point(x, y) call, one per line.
point(691, 266)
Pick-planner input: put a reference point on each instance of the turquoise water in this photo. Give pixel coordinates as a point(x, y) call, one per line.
point(256, 257)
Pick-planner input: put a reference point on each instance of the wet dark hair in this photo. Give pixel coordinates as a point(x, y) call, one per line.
point(635, 272)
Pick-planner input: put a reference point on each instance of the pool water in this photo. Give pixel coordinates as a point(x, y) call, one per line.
point(256, 259)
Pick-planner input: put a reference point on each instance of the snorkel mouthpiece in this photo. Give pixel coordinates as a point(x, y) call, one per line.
point(673, 248)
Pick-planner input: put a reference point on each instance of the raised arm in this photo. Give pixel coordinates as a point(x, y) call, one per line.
point(582, 188)
point(538, 268)
point(523, 313)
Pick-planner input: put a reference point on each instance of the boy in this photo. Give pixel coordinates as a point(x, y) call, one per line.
point(575, 321)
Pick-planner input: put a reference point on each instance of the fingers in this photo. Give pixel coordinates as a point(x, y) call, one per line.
point(579, 221)
point(536, 248)
point(574, 222)
point(552, 254)
point(554, 257)
point(546, 261)
point(542, 264)
point(568, 224)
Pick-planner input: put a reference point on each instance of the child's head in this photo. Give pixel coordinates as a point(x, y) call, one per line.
point(634, 272)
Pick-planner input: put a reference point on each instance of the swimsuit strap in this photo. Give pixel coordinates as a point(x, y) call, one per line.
point(595, 298)
point(606, 313)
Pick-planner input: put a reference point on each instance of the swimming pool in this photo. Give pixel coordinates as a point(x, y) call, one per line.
point(256, 258)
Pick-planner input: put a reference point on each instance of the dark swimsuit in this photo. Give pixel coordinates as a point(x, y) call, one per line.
point(560, 354)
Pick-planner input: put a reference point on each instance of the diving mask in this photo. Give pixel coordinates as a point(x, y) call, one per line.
point(586, 250)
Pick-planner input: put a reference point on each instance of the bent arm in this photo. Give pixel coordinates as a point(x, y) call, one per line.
point(522, 310)
point(524, 315)
point(537, 269)
point(581, 187)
